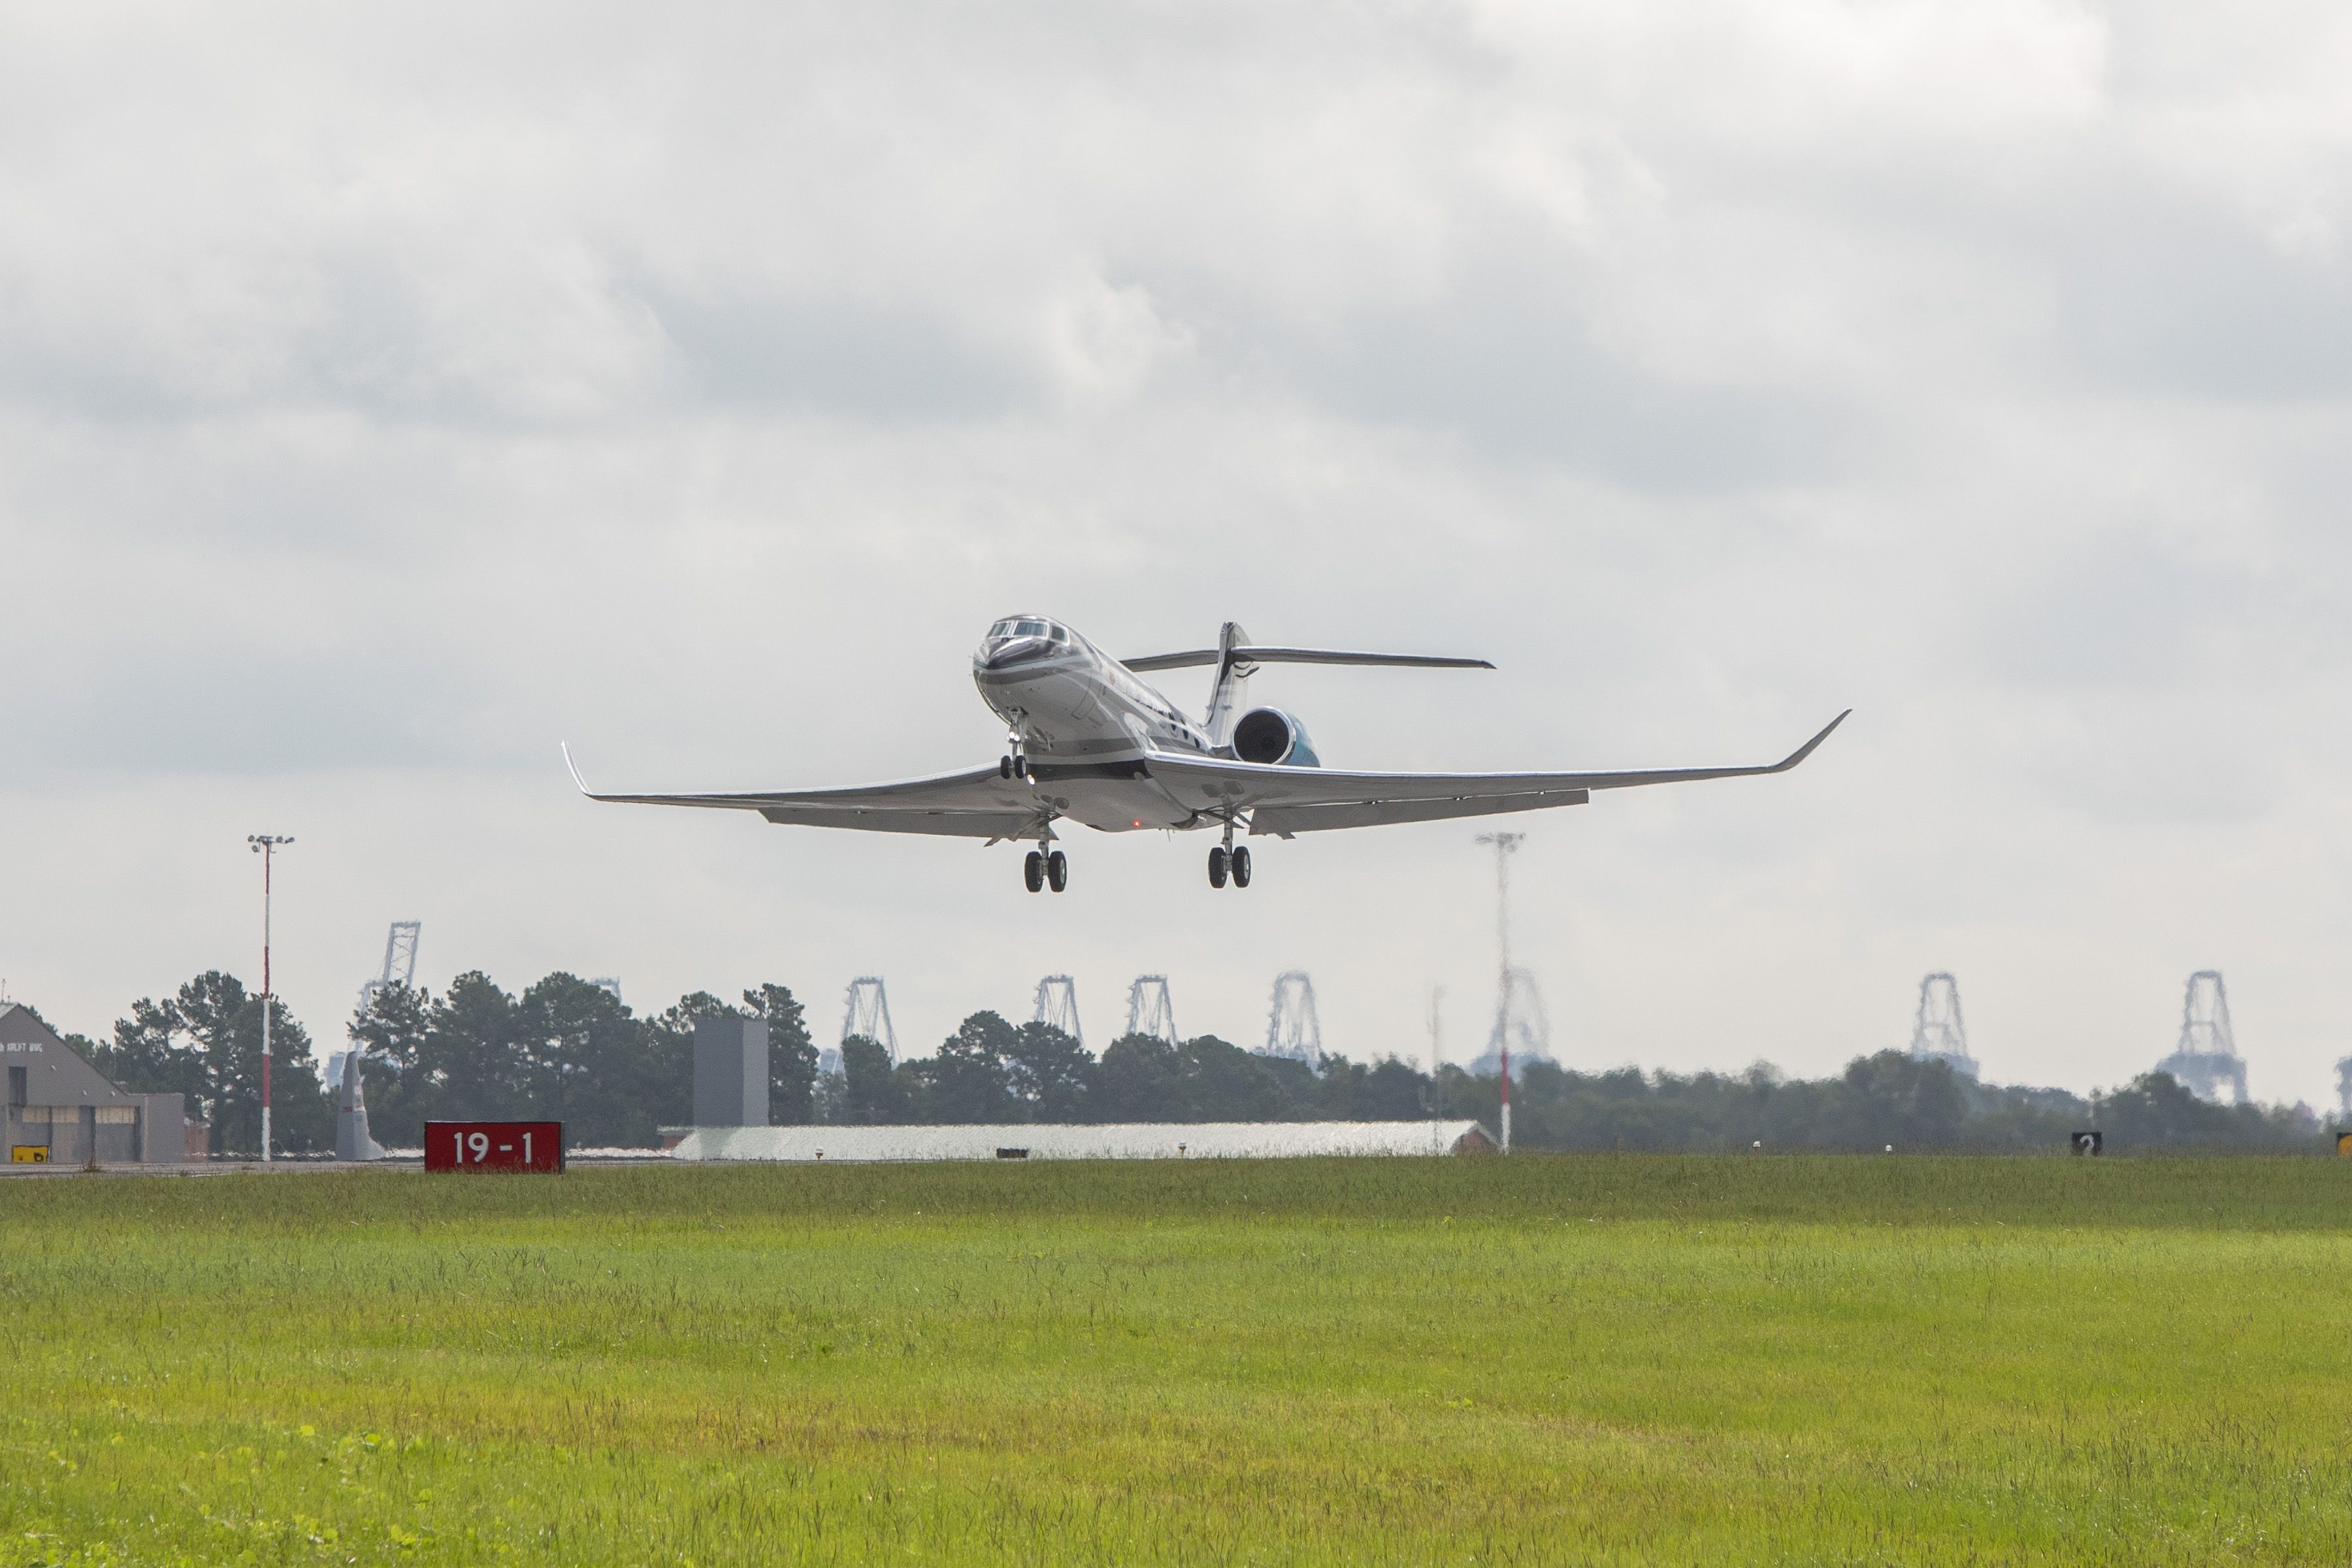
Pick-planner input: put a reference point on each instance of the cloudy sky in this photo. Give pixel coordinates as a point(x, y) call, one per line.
point(387, 395)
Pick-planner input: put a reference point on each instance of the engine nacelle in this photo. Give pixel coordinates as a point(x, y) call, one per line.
point(1270, 736)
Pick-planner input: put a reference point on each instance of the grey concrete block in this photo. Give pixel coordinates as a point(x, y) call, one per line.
point(731, 1072)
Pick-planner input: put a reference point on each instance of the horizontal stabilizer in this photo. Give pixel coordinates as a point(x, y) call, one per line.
point(1196, 657)
point(1248, 655)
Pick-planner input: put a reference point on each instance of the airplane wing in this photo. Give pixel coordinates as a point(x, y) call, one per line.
point(1284, 801)
point(978, 803)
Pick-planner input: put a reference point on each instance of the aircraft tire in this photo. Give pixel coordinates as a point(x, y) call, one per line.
point(1217, 867)
point(1057, 871)
point(1241, 866)
point(1005, 767)
point(1033, 870)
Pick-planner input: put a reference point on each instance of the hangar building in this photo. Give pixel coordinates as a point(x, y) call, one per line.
point(61, 1109)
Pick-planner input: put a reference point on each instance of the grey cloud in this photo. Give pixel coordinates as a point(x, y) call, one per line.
point(2129, 614)
point(839, 358)
point(264, 712)
point(2161, 292)
point(1521, 380)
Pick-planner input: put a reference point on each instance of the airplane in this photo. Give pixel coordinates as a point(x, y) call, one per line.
point(1088, 740)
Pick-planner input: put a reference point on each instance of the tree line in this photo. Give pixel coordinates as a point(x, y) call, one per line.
point(1891, 1098)
point(567, 1050)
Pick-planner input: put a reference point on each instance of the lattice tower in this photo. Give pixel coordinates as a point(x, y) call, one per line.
point(1148, 1009)
point(1057, 1006)
point(399, 960)
point(2206, 1061)
point(1521, 1025)
point(1939, 1034)
point(1292, 1028)
point(867, 1015)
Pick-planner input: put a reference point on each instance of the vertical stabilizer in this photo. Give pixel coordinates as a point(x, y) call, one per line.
point(1229, 697)
point(353, 1139)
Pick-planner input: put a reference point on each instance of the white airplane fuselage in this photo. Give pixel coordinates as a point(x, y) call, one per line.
point(1085, 723)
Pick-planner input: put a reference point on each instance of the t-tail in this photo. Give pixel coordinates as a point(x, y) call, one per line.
point(1237, 658)
point(1229, 694)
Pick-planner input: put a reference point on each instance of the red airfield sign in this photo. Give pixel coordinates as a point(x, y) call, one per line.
point(494, 1146)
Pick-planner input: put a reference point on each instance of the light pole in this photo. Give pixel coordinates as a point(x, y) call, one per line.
point(265, 844)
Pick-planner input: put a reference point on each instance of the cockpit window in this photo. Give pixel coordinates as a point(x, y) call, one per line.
point(1029, 629)
point(1001, 629)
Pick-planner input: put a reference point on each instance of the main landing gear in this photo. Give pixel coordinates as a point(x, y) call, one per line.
point(1228, 859)
point(1041, 870)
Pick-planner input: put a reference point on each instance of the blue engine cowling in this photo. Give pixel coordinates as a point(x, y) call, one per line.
point(1270, 736)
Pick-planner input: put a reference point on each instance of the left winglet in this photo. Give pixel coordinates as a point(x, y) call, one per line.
point(575, 768)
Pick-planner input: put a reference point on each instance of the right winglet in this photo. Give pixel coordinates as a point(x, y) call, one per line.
point(1790, 760)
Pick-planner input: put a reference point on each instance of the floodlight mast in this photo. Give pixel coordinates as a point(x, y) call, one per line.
point(267, 846)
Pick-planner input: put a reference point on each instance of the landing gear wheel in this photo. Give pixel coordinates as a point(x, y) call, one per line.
point(1033, 870)
point(1005, 767)
point(1217, 868)
point(1020, 766)
point(1057, 871)
point(1241, 866)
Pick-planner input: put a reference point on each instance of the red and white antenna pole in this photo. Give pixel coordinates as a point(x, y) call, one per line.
point(1506, 1099)
point(1504, 842)
point(265, 845)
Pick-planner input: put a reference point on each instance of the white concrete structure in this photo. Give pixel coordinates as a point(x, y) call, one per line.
point(1125, 1141)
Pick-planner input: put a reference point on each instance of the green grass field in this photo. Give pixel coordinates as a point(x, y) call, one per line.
point(1616, 1359)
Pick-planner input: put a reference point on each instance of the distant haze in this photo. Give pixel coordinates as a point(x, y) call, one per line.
point(385, 396)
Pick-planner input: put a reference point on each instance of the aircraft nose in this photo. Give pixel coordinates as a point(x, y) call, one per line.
point(1009, 652)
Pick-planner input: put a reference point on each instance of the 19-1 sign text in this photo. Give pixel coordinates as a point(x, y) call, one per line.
point(494, 1145)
